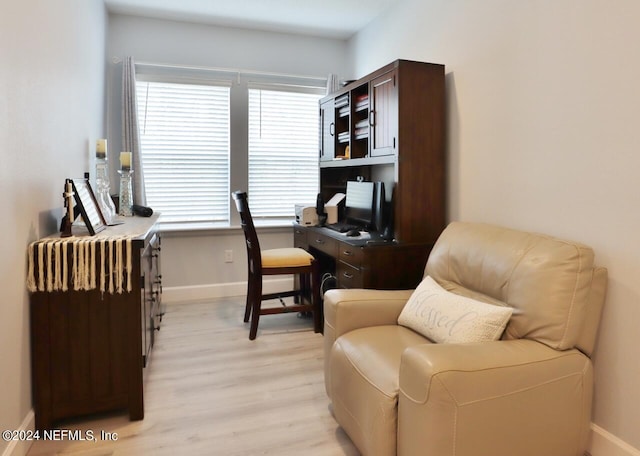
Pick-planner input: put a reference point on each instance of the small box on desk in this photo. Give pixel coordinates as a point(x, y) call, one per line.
point(332, 214)
point(332, 208)
point(306, 215)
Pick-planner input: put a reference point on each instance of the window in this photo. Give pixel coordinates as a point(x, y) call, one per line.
point(283, 151)
point(184, 135)
point(206, 132)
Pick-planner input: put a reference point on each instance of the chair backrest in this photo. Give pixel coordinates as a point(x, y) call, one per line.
point(553, 286)
point(250, 235)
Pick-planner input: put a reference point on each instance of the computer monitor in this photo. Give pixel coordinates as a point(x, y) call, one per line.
point(358, 207)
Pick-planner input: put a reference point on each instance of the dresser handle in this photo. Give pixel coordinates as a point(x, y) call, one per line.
point(347, 252)
point(319, 241)
point(347, 275)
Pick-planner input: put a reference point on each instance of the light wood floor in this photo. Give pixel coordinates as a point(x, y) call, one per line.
point(211, 391)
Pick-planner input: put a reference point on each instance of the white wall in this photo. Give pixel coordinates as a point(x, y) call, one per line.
point(197, 259)
point(51, 108)
point(544, 108)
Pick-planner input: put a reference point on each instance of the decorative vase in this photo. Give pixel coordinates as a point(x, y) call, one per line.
point(126, 192)
point(103, 186)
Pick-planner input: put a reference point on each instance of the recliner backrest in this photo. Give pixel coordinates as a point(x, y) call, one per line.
point(551, 284)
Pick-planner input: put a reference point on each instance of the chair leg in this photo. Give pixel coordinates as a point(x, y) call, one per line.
point(256, 302)
point(304, 287)
point(318, 314)
point(247, 307)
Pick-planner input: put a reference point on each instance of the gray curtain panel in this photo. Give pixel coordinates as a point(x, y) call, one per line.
point(130, 131)
point(333, 83)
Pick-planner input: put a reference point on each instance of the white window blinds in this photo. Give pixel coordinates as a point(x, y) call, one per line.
point(184, 134)
point(283, 150)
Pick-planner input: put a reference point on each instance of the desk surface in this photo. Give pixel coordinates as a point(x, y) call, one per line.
point(366, 239)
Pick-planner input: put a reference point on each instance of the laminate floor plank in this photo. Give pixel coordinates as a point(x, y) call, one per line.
point(209, 390)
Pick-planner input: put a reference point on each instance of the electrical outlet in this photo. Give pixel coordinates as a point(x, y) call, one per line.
point(228, 256)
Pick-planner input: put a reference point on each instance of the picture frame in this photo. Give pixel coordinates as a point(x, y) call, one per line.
point(88, 205)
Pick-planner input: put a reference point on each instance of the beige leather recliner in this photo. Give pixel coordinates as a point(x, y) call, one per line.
point(395, 392)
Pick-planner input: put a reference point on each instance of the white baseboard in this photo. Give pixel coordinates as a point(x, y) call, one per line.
point(604, 443)
point(21, 447)
point(173, 295)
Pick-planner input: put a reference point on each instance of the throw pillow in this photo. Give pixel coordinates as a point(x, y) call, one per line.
point(446, 317)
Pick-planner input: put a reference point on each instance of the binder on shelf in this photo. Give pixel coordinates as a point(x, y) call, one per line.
point(362, 102)
point(361, 130)
point(362, 133)
point(342, 100)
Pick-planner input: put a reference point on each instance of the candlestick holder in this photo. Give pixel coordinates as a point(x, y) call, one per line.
point(103, 186)
point(67, 220)
point(126, 192)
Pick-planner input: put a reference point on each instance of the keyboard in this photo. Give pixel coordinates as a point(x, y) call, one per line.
point(342, 227)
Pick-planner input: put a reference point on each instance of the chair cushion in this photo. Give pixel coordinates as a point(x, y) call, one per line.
point(286, 257)
point(365, 373)
point(446, 317)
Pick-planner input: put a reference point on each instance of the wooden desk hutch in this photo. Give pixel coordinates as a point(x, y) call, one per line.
point(388, 126)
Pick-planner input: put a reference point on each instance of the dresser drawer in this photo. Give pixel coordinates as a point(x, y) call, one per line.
point(323, 243)
point(350, 254)
point(300, 238)
point(348, 276)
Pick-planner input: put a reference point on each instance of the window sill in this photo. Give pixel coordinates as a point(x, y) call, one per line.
point(204, 228)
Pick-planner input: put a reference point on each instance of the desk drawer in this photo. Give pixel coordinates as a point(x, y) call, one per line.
point(323, 243)
point(300, 238)
point(350, 254)
point(348, 276)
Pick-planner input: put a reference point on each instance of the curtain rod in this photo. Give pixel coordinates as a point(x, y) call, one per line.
point(220, 70)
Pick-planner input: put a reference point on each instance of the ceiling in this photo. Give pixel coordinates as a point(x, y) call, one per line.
point(327, 18)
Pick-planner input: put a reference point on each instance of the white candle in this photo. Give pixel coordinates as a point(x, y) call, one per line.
point(125, 160)
point(101, 148)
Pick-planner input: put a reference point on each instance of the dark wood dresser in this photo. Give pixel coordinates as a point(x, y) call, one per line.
point(96, 304)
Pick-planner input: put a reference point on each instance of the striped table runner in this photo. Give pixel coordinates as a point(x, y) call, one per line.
point(80, 264)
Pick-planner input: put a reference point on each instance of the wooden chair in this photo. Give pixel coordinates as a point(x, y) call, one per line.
point(276, 262)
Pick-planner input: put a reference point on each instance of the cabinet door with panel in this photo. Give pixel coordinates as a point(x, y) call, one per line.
point(327, 130)
point(151, 283)
point(156, 274)
point(383, 114)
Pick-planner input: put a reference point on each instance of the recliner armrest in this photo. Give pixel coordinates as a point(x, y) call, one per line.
point(459, 398)
point(349, 309)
